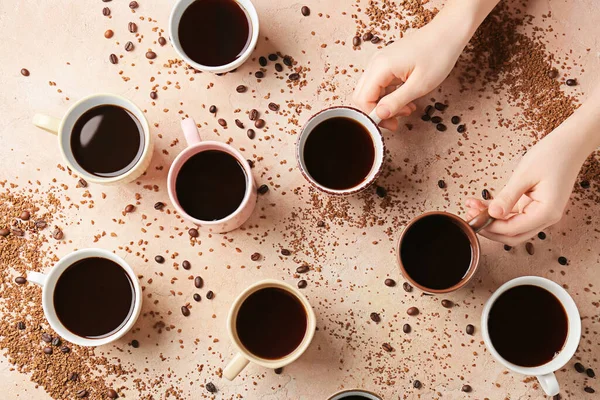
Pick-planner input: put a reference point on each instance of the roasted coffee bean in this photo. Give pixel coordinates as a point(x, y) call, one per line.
point(562, 260)
point(259, 74)
point(407, 287)
point(303, 269)
point(128, 46)
point(113, 59)
point(387, 347)
point(425, 117)
point(82, 393)
point(485, 194)
point(375, 317)
point(162, 41)
point(259, 123)
point(585, 184)
point(150, 55)
point(590, 372)
point(251, 134)
point(447, 303)
point(198, 282)
point(24, 72)
point(48, 350)
point(286, 252)
point(193, 232)
point(18, 232)
point(4, 232)
point(185, 311)
point(429, 110)
point(553, 73)
point(112, 394)
point(466, 388)
point(159, 205)
point(412, 311)
point(273, 57)
point(381, 192)
point(389, 282)
point(186, 264)
point(108, 33)
point(129, 208)
point(65, 349)
point(375, 39)
point(253, 114)
point(417, 384)
point(278, 67)
point(132, 27)
point(159, 259)
point(46, 337)
point(197, 297)
point(541, 236)
point(321, 224)
point(262, 61)
point(588, 389)
point(73, 376)
point(135, 344)
point(294, 77)
point(211, 387)
point(440, 127)
point(356, 41)
point(21, 325)
point(507, 247)
point(367, 36)
point(470, 329)
point(153, 95)
point(455, 120)
point(441, 184)
point(287, 60)
point(461, 128)
point(106, 11)
point(406, 328)
point(305, 11)
point(212, 109)
point(222, 122)
point(530, 249)
point(255, 256)
point(274, 107)
point(25, 215)
point(20, 280)
point(440, 106)
point(133, 5)
point(389, 42)
point(210, 295)
point(278, 371)
point(82, 182)
point(262, 189)
point(302, 284)
point(571, 82)
point(239, 123)
point(56, 342)
point(40, 224)
point(436, 119)
point(241, 89)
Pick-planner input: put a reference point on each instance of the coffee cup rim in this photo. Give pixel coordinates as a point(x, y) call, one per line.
point(354, 391)
point(311, 323)
point(197, 148)
point(48, 296)
point(473, 239)
point(100, 99)
point(175, 18)
point(573, 333)
point(378, 142)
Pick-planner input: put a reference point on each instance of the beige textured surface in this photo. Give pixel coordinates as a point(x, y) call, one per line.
point(62, 41)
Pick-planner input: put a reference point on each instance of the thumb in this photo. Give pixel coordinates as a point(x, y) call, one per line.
point(508, 197)
point(390, 106)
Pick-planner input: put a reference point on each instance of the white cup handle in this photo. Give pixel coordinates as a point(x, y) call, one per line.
point(373, 115)
point(190, 131)
point(549, 383)
point(49, 124)
point(37, 278)
point(235, 366)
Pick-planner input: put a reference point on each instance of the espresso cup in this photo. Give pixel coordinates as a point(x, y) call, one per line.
point(64, 129)
point(196, 146)
point(288, 335)
point(174, 23)
point(49, 282)
point(366, 176)
point(545, 372)
point(450, 233)
point(354, 394)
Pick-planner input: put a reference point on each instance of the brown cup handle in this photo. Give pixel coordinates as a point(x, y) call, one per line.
point(482, 220)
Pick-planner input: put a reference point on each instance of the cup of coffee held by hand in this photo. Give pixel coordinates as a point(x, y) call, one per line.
point(532, 326)
point(104, 138)
point(340, 150)
point(439, 252)
point(270, 324)
point(91, 297)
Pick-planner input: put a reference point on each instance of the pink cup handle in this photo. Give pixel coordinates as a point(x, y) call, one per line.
point(190, 131)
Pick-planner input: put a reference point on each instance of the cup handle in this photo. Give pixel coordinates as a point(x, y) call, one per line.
point(482, 220)
point(190, 131)
point(373, 115)
point(37, 278)
point(47, 123)
point(235, 366)
point(549, 383)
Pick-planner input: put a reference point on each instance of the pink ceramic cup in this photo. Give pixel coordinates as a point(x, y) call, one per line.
point(197, 145)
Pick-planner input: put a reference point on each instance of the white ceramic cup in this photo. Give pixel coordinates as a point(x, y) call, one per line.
point(244, 357)
point(63, 128)
point(545, 372)
point(48, 283)
point(370, 122)
point(197, 145)
point(354, 392)
point(175, 18)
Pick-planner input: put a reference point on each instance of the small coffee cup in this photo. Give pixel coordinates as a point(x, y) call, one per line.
point(362, 157)
point(428, 230)
point(545, 372)
point(247, 8)
point(52, 279)
point(354, 394)
point(285, 306)
point(236, 216)
point(64, 128)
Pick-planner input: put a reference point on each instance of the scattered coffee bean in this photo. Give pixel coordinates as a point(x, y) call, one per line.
point(129, 46)
point(455, 120)
point(302, 284)
point(82, 393)
point(412, 311)
point(150, 55)
point(106, 11)
point(65, 349)
point(429, 110)
point(286, 252)
point(381, 192)
point(590, 372)
point(278, 67)
point(153, 95)
point(588, 389)
point(210, 295)
point(436, 119)
point(440, 127)
point(425, 117)
point(321, 224)
point(294, 76)
point(466, 388)
point(20, 280)
point(133, 5)
point(24, 72)
point(259, 123)
point(274, 107)
point(241, 89)
point(73, 376)
point(278, 371)
point(112, 394)
point(541, 236)
point(447, 303)
point(440, 106)
point(162, 41)
point(390, 282)
point(253, 114)
point(407, 287)
point(25, 215)
point(82, 182)
point(46, 337)
point(507, 247)
point(406, 328)
point(198, 282)
point(461, 128)
point(159, 205)
point(56, 342)
point(186, 264)
point(375, 39)
point(470, 329)
point(255, 256)
point(222, 122)
point(239, 123)
point(585, 184)
point(441, 184)
point(185, 311)
point(287, 60)
point(251, 134)
point(273, 57)
point(132, 27)
point(375, 317)
point(303, 269)
point(18, 232)
point(356, 41)
point(212, 109)
point(48, 350)
point(387, 347)
point(129, 208)
point(113, 59)
point(262, 189)
point(259, 74)
point(305, 11)
point(108, 33)
point(417, 384)
point(562, 260)
point(193, 232)
point(21, 325)
point(530, 249)
point(211, 387)
point(367, 36)
point(197, 297)
point(159, 259)
point(485, 194)
point(135, 344)
point(571, 82)
point(4, 232)
point(553, 73)
point(579, 367)
point(262, 61)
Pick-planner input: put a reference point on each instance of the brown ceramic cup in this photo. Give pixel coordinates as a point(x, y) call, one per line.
point(470, 229)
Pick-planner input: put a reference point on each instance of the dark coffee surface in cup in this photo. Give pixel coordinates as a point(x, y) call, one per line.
point(107, 141)
point(271, 323)
point(528, 325)
point(354, 397)
point(214, 32)
point(211, 185)
point(94, 298)
point(339, 153)
point(435, 252)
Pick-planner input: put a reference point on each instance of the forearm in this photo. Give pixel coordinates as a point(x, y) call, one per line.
point(461, 18)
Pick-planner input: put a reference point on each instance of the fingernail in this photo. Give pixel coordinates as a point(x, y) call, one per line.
point(496, 210)
point(383, 112)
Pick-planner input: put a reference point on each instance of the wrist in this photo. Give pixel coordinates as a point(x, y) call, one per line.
point(460, 18)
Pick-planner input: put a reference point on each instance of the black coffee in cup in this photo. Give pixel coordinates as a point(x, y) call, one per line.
point(214, 32)
point(211, 185)
point(271, 323)
point(528, 325)
point(94, 298)
point(107, 141)
point(339, 153)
